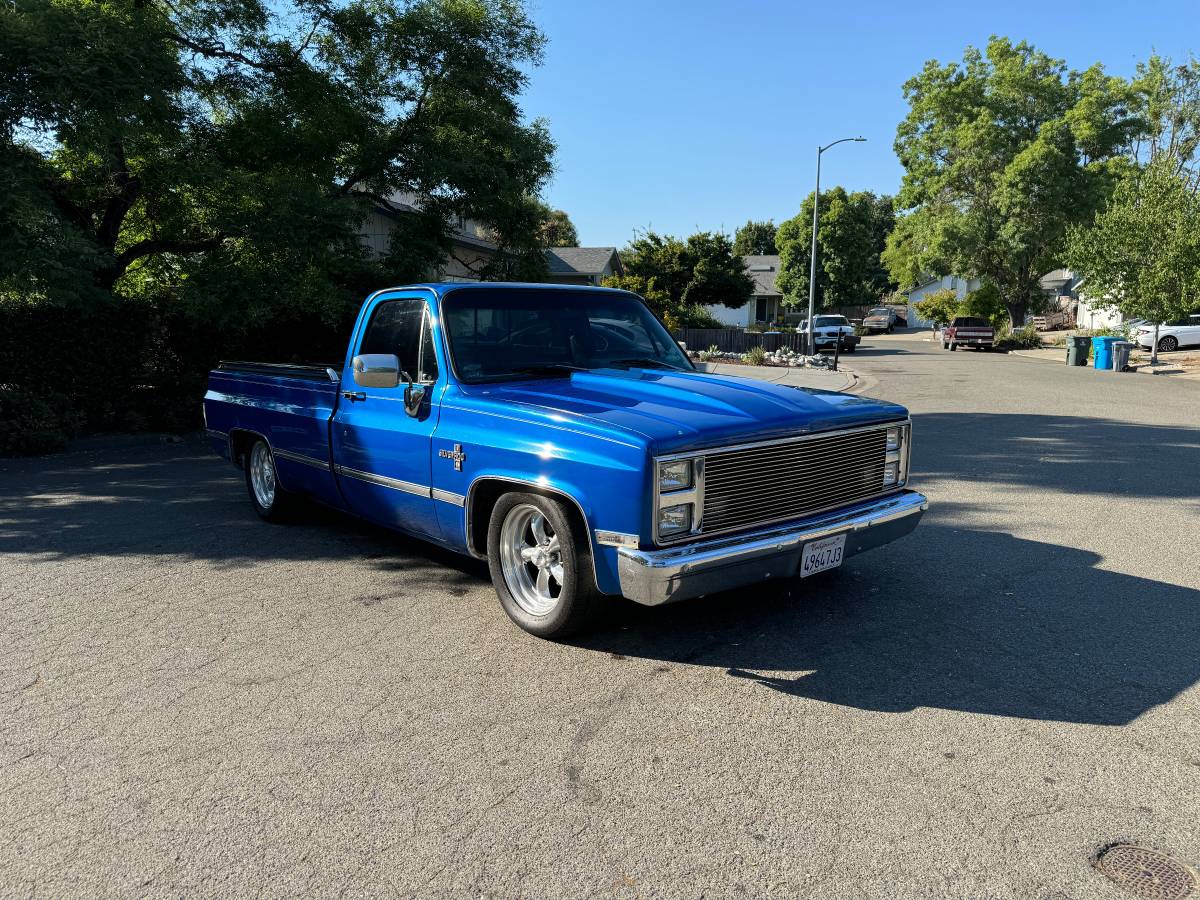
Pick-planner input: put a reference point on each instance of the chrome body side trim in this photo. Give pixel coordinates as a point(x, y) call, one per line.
point(449, 497)
point(616, 539)
point(302, 459)
point(654, 577)
point(407, 487)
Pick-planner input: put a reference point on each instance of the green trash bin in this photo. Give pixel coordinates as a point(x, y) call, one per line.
point(1077, 350)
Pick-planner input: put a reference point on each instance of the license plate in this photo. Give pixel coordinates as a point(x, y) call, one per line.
point(817, 556)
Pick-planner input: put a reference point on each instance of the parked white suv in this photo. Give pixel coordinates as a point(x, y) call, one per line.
point(1172, 335)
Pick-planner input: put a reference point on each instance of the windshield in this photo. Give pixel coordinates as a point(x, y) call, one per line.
point(498, 334)
point(880, 312)
point(829, 321)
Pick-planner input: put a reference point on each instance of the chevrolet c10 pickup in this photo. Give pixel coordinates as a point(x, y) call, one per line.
point(561, 434)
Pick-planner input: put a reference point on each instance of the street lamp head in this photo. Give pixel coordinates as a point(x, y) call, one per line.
point(858, 139)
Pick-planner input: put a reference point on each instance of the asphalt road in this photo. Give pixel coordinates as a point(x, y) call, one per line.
point(198, 703)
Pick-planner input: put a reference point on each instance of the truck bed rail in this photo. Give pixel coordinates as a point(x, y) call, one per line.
point(283, 370)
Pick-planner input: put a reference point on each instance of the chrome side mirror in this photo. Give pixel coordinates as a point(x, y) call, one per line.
point(414, 395)
point(380, 370)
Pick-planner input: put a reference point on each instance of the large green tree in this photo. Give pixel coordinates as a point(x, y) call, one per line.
point(1002, 153)
point(1141, 255)
point(228, 152)
point(1168, 98)
point(755, 239)
point(695, 272)
point(851, 234)
point(556, 228)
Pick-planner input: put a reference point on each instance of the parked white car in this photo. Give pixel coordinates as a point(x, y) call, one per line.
point(1172, 335)
point(830, 329)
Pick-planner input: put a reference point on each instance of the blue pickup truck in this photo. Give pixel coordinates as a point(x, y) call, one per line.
point(562, 435)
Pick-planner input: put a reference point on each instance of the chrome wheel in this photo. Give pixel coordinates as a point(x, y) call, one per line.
point(1168, 344)
point(262, 475)
point(531, 560)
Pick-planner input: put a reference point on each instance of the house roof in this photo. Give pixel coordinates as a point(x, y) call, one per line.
point(764, 269)
point(1056, 279)
point(583, 260)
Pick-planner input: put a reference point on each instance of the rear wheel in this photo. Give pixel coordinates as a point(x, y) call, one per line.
point(269, 500)
point(1168, 343)
point(541, 571)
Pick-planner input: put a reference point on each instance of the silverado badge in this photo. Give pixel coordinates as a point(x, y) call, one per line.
point(456, 454)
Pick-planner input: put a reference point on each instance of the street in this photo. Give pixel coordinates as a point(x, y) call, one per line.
point(196, 702)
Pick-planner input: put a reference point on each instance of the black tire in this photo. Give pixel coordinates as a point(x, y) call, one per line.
point(945, 346)
point(1168, 344)
point(952, 347)
point(276, 507)
point(578, 601)
point(891, 328)
point(851, 348)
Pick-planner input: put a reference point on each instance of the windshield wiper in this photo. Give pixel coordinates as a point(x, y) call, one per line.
point(643, 364)
point(559, 369)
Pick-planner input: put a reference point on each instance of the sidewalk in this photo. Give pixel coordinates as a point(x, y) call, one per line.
point(841, 380)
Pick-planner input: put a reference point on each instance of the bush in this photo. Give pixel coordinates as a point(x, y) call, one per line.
point(1028, 338)
point(713, 352)
point(32, 423)
point(756, 356)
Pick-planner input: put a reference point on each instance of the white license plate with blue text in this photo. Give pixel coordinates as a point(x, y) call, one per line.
point(818, 556)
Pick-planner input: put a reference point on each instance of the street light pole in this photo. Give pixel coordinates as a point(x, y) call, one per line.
point(812, 266)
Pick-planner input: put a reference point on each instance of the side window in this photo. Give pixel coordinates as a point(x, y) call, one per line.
point(402, 327)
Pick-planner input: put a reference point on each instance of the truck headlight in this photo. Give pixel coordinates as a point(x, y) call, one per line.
point(674, 519)
point(675, 476)
point(891, 474)
point(893, 438)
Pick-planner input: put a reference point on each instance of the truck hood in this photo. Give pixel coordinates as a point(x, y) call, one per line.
point(676, 411)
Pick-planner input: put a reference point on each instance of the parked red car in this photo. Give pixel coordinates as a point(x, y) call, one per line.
point(968, 331)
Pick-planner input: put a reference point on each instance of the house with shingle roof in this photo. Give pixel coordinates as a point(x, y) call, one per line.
point(582, 265)
point(766, 305)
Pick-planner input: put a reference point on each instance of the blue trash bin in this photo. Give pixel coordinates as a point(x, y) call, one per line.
point(1102, 351)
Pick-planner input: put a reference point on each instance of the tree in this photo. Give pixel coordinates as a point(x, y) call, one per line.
point(852, 231)
point(228, 152)
point(557, 229)
point(940, 307)
point(699, 271)
point(1002, 153)
point(1168, 100)
point(1141, 255)
point(755, 239)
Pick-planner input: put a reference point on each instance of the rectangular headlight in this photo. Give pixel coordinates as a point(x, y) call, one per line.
point(893, 438)
point(675, 476)
point(674, 519)
point(891, 474)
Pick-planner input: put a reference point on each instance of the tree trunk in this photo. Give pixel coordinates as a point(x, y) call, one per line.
point(1016, 313)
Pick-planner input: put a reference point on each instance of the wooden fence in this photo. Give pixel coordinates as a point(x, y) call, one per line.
point(735, 340)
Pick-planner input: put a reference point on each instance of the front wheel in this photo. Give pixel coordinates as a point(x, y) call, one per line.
point(541, 572)
point(1168, 344)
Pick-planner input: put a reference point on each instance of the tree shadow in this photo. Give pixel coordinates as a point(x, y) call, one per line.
point(1013, 627)
point(1065, 453)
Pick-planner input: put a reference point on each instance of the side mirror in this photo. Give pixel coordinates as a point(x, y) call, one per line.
point(414, 396)
point(380, 370)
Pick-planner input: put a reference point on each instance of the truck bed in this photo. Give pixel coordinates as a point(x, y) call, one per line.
point(290, 406)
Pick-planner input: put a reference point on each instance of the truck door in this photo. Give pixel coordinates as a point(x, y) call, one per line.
point(381, 453)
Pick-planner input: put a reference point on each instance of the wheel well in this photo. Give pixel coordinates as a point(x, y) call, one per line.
point(240, 443)
point(484, 496)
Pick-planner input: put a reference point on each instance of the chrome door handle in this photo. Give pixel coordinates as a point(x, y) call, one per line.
point(354, 395)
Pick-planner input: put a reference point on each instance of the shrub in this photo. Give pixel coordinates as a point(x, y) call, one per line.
point(1028, 338)
point(713, 352)
point(33, 423)
point(756, 356)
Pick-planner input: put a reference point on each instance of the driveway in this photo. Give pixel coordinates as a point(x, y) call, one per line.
point(196, 702)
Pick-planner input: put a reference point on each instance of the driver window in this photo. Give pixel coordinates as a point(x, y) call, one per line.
point(402, 327)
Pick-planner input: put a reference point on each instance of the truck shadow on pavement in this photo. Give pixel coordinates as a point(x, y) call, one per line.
point(1030, 629)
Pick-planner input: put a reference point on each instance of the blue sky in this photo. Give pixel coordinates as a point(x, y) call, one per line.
point(687, 114)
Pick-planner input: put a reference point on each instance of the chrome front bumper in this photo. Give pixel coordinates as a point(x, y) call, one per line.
point(653, 577)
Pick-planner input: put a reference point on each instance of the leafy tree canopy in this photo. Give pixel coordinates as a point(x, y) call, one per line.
point(1168, 98)
point(702, 270)
point(1141, 255)
point(851, 234)
point(1002, 153)
point(755, 239)
point(556, 228)
point(232, 149)
point(940, 307)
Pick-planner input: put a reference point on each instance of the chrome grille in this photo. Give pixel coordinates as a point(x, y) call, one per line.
point(787, 480)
